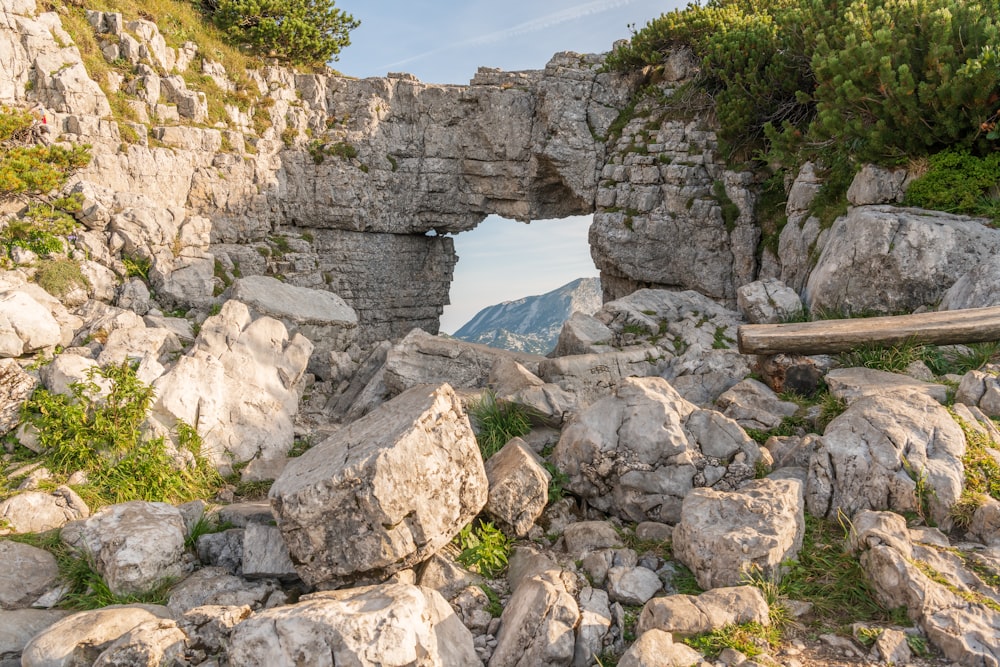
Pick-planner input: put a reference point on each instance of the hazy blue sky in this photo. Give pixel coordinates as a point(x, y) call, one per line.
point(446, 41)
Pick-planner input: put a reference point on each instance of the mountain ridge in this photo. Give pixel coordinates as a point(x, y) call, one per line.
point(532, 323)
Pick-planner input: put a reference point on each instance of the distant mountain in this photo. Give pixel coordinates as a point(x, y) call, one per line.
point(532, 324)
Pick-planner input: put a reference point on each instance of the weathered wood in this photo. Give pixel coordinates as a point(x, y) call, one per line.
point(971, 325)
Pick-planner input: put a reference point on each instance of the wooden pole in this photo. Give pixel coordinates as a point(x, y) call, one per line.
point(971, 325)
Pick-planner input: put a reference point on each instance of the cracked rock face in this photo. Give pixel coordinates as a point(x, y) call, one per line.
point(639, 452)
point(889, 452)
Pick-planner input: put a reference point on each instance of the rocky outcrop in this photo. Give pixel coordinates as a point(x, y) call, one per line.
point(640, 452)
point(882, 259)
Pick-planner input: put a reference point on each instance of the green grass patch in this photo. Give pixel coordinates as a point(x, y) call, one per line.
point(59, 277)
point(828, 576)
point(496, 421)
point(85, 588)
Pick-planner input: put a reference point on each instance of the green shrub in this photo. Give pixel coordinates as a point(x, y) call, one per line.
point(871, 80)
point(41, 230)
point(38, 170)
point(103, 436)
point(958, 182)
point(485, 549)
point(300, 32)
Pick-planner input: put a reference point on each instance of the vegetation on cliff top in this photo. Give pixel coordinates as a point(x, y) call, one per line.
point(844, 82)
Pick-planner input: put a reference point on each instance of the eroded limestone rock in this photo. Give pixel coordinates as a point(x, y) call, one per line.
point(387, 625)
point(402, 481)
point(639, 453)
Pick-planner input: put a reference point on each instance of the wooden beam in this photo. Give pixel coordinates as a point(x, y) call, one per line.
point(971, 325)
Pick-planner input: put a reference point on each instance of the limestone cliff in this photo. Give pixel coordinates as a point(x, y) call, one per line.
point(352, 184)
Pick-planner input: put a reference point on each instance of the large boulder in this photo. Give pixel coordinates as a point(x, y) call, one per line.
point(134, 546)
point(401, 482)
point(321, 316)
point(725, 537)
point(536, 627)
point(638, 453)
point(239, 386)
point(889, 260)
point(889, 452)
point(391, 625)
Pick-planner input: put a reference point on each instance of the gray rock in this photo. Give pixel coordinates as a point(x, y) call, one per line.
point(208, 627)
point(82, 637)
point(876, 185)
point(640, 452)
point(421, 358)
point(965, 632)
point(18, 626)
point(391, 624)
point(16, 386)
point(36, 512)
point(149, 644)
point(239, 385)
point(890, 260)
point(134, 295)
point(632, 586)
point(979, 287)
point(134, 546)
point(892, 648)
point(582, 334)
point(725, 537)
point(688, 615)
point(25, 325)
point(443, 575)
point(587, 536)
point(223, 549)
point(28, 573)
point(753, 405)
point(591, 377)
point(265, 554)
point(319, 315)
point(403, 481)
point(851, 384)
point(656, 648)
point(593, 626)
point(215, 586)
point(768, 301)
point(519, 487)
point(889, 453)
point(67, 369)
point(537, 625)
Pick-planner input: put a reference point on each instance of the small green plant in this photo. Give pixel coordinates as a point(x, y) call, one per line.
point(751, 639)
point(958, 182)
point(484, 549)
point(720, 341)
point(496, 421)
point(137, 267)
point(495, 608)
point(101, 433)
point(557, 483)
point(730, 211)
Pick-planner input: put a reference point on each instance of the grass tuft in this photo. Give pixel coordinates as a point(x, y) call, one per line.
point(496, 421)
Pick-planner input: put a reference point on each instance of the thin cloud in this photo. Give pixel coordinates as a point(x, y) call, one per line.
point(527, 27)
